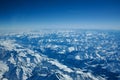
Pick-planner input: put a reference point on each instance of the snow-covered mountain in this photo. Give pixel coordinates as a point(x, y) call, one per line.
point(60, 55)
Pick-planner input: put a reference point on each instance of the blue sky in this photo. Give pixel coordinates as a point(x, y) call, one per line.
point(85, 14)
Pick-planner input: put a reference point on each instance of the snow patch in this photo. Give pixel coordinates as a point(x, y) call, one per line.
point(9, 44)
point(70, 49)
point(77, 57)
point(61, 66)
point(3, 68)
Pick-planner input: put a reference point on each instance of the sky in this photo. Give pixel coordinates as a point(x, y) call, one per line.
point(40, 14)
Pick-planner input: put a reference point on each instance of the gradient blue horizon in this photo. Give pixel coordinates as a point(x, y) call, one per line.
point(84, 14)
